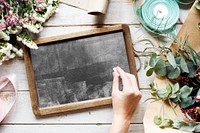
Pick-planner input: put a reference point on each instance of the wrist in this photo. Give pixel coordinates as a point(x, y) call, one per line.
point(120, 124)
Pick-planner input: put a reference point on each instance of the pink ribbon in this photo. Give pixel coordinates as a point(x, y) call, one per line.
point(8, 94)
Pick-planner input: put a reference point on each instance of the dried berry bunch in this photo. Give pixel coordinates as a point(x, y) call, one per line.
point(18, 19)
point(181, 65)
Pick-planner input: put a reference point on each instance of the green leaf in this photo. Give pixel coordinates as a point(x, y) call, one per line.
point(171, 59)
point(150, 72)
point(176, 99)
point(173, 73)
point(198, 61)
point(191, 57)
point(178, 60)
point(199, 110)
point(197, 128)
point(175, 88)
point(160, 67)
point(157, 120)
point(164, 93)
point(190, 127)
point(153, 60)
point(166, 123)
point(184, 66)
point(192, 69)
point(186, 102)
point(177, 123)
point(185, 91)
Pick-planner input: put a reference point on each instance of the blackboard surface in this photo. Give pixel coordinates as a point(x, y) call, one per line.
point(77, 70)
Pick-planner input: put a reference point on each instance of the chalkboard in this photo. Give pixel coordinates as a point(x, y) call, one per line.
point(71, 72)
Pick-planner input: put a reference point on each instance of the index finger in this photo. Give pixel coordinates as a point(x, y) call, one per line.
point(125, 79)
point(133, 81)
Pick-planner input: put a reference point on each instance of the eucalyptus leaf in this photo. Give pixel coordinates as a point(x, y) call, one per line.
point(153, 60)
point(198, 61)
point(184, 66)
point(175, 100)
point(160, 67)
point(185, 91)
point(192, 57)
point(197, 128)
point(164, 93)
point(186, 102)
point(190, 127)
point(150, 72)
point(175, 88)
point(171, 59)
point(192, 69)
point(173, 73)
point(157, 120)
point(166, 123)
point(178, 122)
point(187, 128)
point(178, 60)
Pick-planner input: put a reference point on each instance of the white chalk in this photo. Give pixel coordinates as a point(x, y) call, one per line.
point(115, 70)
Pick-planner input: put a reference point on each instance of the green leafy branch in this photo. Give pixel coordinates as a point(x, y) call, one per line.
point(174, 63)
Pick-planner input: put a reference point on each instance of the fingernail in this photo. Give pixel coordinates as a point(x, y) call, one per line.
point(115, 70)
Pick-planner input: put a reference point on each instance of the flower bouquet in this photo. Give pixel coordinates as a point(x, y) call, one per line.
point(18, 19)
point(175, 92)
point(179, 70)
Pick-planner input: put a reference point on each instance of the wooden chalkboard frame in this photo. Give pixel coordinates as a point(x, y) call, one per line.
point(82, 104)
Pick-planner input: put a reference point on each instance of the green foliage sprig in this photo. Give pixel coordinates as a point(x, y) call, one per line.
point(174, 95)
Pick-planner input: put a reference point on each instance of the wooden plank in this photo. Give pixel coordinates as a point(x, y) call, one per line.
point(119, 12)
point(22, 113)
point(137, 128)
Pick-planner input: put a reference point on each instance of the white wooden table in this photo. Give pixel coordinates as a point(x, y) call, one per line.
point(96, 120)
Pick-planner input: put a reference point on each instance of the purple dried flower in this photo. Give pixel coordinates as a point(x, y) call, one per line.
point(39, 1)
point(11, 19)
point(184, 80)
point(2, 7)
point(7, 5)
point(2, 26)
point(192, 112)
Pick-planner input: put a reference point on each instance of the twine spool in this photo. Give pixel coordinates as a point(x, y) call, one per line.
point(185, 2)
point(158, 16)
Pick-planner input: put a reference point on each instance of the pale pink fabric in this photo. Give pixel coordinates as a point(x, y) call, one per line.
point(8, 88)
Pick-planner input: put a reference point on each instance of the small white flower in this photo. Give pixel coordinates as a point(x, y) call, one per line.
point(49, 12)
point(29, 44)
point(5, 58)
point(14, 49)
point(19, 39)
point(40, 19)
point(12, 31)
point(11, 55)
point(31, 28)
point(4, 36)
point(20, 53)
point(50, 2)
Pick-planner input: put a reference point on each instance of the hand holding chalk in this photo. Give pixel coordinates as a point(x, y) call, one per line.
point(124, 102)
